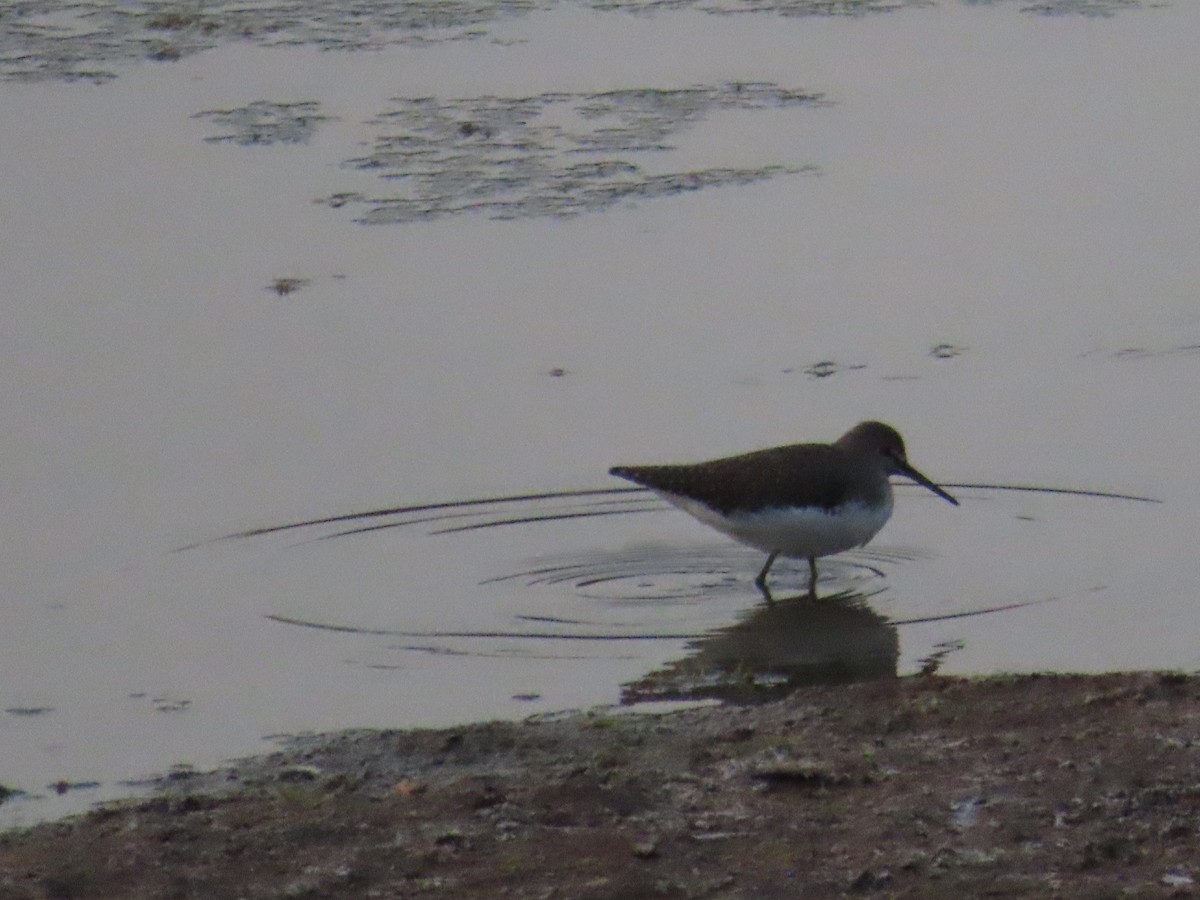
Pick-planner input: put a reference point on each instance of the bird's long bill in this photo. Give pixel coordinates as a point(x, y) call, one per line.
point(923, 481)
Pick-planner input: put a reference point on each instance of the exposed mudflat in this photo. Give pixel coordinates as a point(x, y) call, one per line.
point(1066, 786)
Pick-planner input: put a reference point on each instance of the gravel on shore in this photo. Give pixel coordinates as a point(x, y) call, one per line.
point(1021, 786)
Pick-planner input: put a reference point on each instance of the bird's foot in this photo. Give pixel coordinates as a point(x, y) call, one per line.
point(812, 579)
point(761, 584)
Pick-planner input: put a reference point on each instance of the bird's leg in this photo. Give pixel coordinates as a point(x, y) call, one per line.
point(761, 580)
point(812, 578)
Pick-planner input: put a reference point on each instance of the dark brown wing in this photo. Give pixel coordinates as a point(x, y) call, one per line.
point(797, 475)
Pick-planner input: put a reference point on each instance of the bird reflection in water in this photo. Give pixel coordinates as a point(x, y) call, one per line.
point(775, 649)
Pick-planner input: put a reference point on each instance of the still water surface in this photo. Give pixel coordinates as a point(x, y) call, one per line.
point(258, 282)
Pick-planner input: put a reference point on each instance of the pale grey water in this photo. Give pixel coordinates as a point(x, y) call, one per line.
point(1016, 189)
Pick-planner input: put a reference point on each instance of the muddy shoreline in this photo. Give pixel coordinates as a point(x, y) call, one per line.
point(1066, 786)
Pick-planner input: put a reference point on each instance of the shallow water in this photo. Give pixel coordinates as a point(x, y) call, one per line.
point(596, 238)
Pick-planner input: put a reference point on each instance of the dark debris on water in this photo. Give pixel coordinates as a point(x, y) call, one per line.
point(266, 122)
point(513, 157)
point(91, 40)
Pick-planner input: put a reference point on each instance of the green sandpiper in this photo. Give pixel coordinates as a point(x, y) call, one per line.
point(801, 500)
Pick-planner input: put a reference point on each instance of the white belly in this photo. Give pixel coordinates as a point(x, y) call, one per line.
point(795, 532)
